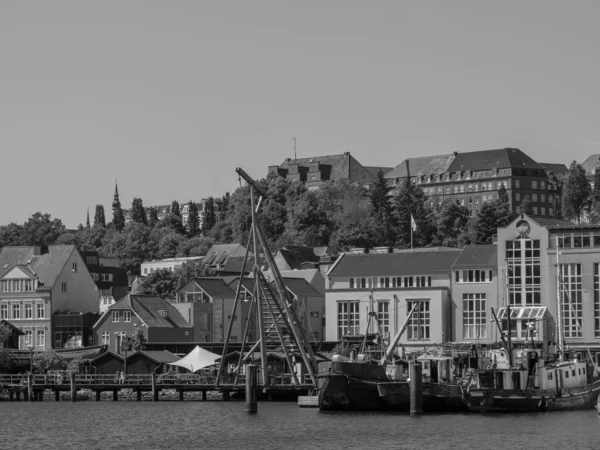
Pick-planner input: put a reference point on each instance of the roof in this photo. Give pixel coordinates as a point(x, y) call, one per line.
point(47, 266)
point(375, 170)
point(591, 163)
point(556, 169)
point(148, 308)
point(394, 264)
point(213, 286)
point(12, 327)
point(300, 287)
point(477, 256)
point(295, 255)
point(421, 166)
point(159, 356)
point(232, 282)
point(488, 159)
point(554, 222)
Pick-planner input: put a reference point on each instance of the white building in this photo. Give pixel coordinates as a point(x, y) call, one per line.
point(170, 264)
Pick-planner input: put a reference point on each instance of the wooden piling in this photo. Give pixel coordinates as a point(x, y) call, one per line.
point(154, 390)
point(416, 393)
point(226, 396)
point(115, 395)
point(251, 393)
point(139, 395)
point(73, 387)
point(30, 387)
point(40, 396)
point(18, 395)
point(98, 394)
point(203, 396)
point(181, 395)
point(11, 396)
point(56, 395)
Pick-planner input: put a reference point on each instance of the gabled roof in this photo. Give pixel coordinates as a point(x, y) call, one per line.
point(475, 256)
point(556, 169)
point(394, 264)
point(158, 356)
point(422, 165)
point(375, 170)
point(300, 287)
point(47, 266)
point(213, 286)
point(12, 327)
point(295, 255)
point(552, 222)
point(232, 282)
point(591, 163)
point(334, 168)
point(489, 159)
point(147, 308)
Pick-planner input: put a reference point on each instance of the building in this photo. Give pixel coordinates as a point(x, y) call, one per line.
point(528, 249)
point(315, 170)
point(37, 282)
point(169, 264)
point(473, 178)
point(73, 330)
point(110, 277)
point(309, 306)
point(390, 285)
point(156, 318)
point(207, 304)
point(12, 340)
point(163, 210)
point(474, 291)
point(228, 259)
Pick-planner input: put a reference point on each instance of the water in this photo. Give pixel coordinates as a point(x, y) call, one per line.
point(216, 425)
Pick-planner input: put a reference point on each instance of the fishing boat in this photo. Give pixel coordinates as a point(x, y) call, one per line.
point(536, 377)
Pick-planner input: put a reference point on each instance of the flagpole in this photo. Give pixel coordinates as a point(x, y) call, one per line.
point(411, 232)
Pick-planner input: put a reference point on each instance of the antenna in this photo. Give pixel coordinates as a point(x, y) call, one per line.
point(295, 157)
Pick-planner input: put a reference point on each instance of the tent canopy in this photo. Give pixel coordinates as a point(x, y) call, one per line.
point(196, 359)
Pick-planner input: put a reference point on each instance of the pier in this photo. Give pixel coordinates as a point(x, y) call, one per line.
point(34, 387)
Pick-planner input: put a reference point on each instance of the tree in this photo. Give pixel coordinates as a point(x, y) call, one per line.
point(99, 219)
point(152, 216)
point(138, 213)
point(526, 205)
point(451, 223)
point(137, 341)
point(503, 195)
point(11, 234)
point(491, 216)
point(193, 225)
point(196, 246)
point(172, 222)
point(161, 282)
point(209, 217)
point(175, 210)
point(409, 201)
point(41, 229)
point(595, 197)
point(382, 210)
point(118, 218)
point(46, 361)
point(5, 335)
point(224, 207)
point(576, 193)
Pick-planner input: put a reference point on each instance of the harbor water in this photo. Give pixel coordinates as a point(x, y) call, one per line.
point(226, 425)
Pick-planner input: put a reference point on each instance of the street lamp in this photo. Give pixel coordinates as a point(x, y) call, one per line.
point(30, 348)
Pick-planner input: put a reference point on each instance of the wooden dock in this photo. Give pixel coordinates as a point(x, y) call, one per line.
point(33, 387)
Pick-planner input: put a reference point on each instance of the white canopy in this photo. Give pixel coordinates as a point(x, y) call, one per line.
point(197, 359)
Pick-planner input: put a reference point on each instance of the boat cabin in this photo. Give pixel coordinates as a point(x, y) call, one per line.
point(533, 324)
point(438, 369)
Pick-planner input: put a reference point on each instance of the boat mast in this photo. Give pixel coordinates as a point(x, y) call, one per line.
point(559, 303)
point(508, 337)
point(394, 342)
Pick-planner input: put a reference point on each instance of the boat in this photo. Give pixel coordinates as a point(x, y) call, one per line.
point(367, 384)
point(534, 378)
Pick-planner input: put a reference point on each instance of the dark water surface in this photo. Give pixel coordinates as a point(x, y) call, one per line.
point(215, 424)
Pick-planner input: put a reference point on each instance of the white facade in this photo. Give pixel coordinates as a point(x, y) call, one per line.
point(170, 264)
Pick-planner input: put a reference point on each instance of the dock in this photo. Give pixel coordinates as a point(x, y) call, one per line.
point(34, 387)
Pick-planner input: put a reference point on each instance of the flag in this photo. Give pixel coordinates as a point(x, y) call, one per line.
point(413, 224)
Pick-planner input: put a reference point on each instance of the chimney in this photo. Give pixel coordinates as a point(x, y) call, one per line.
point(455, 153)
point(40, 250)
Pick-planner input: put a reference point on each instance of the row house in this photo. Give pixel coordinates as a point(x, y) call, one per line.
point(110, 278)
point(170, 264)
point(156, 318)
point(388, 285)
point(39, 282)
point(474, 178)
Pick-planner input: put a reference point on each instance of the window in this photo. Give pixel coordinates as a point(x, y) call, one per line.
point(107, 277)
point(534, 184)
point(28, 311)
point(473, 276)
point(534, 198)
point(41, 339)
point(348, 318)
point(28, 285)
point(314, 314)
point(28, 338)
point(351, 283)
point(517, 197)
point(16, 311)
point(115, 316)
point(543, 211)
point(105, 338)
point(535, 210)
point(474, 316)
point(524, 272)
point(4, 286)
point(126, 316)
point(145, 270)
point(383, 315)
point(550, 198)
point(418, 326)
point(517, 184)
point(543, 198)
point(571, 299)
point(542, 184)
point(41, 311)
point(550, 211)
point(74, 267)
point(4, 312)
point(64, 286)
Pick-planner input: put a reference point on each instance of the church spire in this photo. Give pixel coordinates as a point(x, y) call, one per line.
point(116, 203)
point(87, 222)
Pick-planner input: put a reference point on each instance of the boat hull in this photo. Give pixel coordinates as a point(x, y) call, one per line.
point(436, 397)
point(512, 400)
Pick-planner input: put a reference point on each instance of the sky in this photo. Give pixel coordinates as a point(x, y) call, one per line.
point(169, 97)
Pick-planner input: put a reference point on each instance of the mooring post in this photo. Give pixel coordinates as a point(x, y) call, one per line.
point(203, 396)
point(73, 387)
point(139, 395)
point(180, 395)
point(154, 390)
point(56, 395)
point(98, 393)
point(251, 397)
point(416, 393)
point(115, 395)
point(40, 396)
point(30, 386)
point(11, 396)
